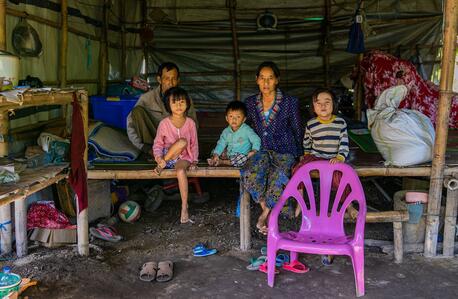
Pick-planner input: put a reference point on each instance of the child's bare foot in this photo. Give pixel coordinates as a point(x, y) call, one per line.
point(298, 211)
point(185, 217)
point(352, 212)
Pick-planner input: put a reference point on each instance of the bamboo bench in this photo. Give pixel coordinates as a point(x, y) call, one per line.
point(396, 217)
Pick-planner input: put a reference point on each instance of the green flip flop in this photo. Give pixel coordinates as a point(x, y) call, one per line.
point(256, 262)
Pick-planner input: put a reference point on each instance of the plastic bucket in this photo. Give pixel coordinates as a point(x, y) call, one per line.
point(415, 212)
point(9, 283)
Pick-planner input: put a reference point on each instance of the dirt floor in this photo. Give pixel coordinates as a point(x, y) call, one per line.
point(111, 270)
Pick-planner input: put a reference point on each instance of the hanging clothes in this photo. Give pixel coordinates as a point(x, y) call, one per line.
point(78, 175)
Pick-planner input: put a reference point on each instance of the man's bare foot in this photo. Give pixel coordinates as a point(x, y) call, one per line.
point(352, 212)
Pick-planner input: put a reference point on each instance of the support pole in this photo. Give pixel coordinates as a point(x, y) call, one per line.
point(4, 126)
point(450, 217)
point(122, 13)
point(82, 218)
point(145, 43)
point(103, 53)
point(235, 51)
point(20, 222)
point(326, 40)
point(6, 229)
point(63, 44)
point(442, 120)
point(245, 234)
point(359, 88)
point(2, 25)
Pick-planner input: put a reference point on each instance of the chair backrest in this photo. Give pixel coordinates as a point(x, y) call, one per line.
point(316, 216)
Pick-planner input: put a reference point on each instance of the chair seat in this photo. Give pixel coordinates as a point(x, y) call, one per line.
point(315, 243)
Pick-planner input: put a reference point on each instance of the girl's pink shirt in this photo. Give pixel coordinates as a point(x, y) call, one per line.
point(167, 134)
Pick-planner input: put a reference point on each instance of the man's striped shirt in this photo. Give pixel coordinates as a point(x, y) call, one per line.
point(326, 139)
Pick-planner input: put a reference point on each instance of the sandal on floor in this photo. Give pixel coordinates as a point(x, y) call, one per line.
point(105, 233)
point(281, 259)
point(148, 271)
point(256, 262)
point(165, 271)
point(201, 250)
point(263, 268)
point(296, 267)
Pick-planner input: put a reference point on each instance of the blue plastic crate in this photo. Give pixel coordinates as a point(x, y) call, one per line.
point(113, 111)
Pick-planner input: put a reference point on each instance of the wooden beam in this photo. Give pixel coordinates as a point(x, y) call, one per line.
point(326, 40)
point(82, 216)
point(63, 44)
point(122, 13)
point(442, 120)
point(103, 53)
point(144, 24)
point(450, 217)
point(245, 215)
point(2, 25)
point(4, 126)
point(235, 50)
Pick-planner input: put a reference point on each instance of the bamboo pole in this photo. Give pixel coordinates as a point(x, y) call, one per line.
point(6, 229)
point(4, 126)
point(326, 40)
point(2, 25)
point(235, 51)
point(63, 44)
point(122, 13)
point(145, 43)
point(82, 216)
point(103, 53)
point(442, 120)
point(245, 215)
point(450, 217)
point(20, 222)
point(359, 88)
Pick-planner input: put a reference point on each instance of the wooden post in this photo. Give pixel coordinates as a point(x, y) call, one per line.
point(450, 217)
point(359, 89)
point(326, 40)
point(20, 222)
point(122, 13)
point(4, 126)
point(442, 120)
point(103, 52)
point(245, 233)
point(145, 44)
point(82, 216)
point(2, 25)
point(63, 44)
point(398, 242)
point(235, 51)
point(6, 231)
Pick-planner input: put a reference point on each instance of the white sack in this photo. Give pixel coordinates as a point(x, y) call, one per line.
point(404, 137)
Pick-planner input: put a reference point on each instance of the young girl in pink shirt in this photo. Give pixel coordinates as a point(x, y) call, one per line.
point(175, 145)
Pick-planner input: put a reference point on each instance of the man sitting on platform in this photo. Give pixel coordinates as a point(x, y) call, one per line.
point(143, 120)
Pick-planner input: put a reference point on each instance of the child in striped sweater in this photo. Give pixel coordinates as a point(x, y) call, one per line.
point(326, 138)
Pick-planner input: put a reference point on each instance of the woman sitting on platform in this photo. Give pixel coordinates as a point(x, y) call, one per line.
point(275, 117)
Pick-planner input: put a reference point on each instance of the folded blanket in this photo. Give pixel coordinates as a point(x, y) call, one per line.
point(110, 145)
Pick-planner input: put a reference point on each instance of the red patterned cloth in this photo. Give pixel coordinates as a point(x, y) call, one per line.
point(381, 71)
point(45, 215)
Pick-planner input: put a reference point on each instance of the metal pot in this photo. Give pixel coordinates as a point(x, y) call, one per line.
point(9, 68)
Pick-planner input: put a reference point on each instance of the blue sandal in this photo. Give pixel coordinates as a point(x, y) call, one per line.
point(281, 259)
point(201, 250)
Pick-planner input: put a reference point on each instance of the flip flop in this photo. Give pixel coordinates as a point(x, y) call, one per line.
point(148, 271)
point(105, 233)
point(296, 267)
point(263, 268)
point(201, 250)
point(281, 259)
point(264, 250)
point(165, 271)
point(256, 262)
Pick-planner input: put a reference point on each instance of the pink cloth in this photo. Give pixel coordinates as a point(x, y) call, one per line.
point(381, 71)
point(167, 134)
point(45, 215)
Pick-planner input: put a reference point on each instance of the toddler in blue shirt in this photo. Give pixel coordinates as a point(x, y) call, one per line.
point(238, 139)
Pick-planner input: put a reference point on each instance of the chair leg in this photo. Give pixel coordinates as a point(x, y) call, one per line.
point(357, 259)
point(293, 255)
point(271, 255)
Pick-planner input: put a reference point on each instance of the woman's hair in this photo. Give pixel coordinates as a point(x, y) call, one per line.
point(329, 91)
point(236, 106)
point(271, 65)
point(176, 93)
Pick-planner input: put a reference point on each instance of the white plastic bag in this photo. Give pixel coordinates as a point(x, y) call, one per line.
point(404, 137)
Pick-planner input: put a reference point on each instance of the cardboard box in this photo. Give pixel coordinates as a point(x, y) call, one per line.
point(54, 237)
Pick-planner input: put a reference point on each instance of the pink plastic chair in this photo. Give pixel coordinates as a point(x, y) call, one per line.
point(320, 233)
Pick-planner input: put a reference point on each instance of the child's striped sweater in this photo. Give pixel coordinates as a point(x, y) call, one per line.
point(326, 139)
